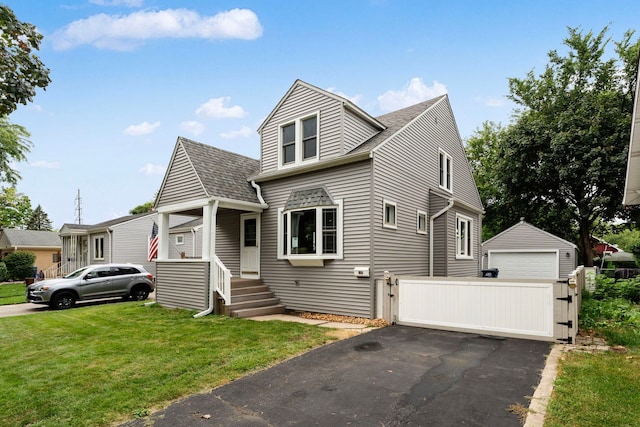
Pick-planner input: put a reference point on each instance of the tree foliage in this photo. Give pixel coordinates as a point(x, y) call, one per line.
point(14, 147)
point(21, 71)
point(143, 208)
point(561, 162)
point(39, 220)
point(15, 208)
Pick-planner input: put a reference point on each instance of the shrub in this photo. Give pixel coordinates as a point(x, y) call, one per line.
point(20, 264)
point(609, 288)
point(4, 274)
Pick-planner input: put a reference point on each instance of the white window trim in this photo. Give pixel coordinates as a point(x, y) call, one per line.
point(447, 171)
point(318, 255)
point(386, 224)
point(179, 239)
point(95, 247)
point(418, 214)
point(299, 148)
point(469, 222)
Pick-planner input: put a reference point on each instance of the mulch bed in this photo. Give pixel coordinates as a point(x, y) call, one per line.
point(374, 323)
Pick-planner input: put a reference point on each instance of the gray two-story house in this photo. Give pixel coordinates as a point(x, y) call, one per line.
point(337, 198)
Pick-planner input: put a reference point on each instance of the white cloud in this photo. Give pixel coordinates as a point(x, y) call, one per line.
point(46, 165)
point(243, 132)
point(151, 169)
point(215, 108)
point(412, 93)
point(491, 101)
point(126, 32)
point(144, 128)
point(128, 3)
point(192, 126)
point(355, 99)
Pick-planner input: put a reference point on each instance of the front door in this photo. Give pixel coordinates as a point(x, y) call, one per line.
point(250, 246)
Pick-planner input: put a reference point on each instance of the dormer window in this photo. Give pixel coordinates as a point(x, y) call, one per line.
point(299, 141)
point(445, 172)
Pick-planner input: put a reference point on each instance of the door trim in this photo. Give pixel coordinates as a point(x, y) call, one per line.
point(250, 273)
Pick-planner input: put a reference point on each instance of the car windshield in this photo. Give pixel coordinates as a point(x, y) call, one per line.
point(76, 273)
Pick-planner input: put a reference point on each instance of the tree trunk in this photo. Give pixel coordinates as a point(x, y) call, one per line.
point(587, 247)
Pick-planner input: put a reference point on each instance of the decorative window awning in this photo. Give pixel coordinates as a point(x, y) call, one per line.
point(310, 197)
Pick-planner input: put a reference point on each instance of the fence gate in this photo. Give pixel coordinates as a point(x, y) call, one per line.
point(530, 309)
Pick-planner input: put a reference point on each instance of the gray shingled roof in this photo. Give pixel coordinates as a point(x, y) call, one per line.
point(395, 121)
point(32, 238)
point(105, 224)
point(223, 173)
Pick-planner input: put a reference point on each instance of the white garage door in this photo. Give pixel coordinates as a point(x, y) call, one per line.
point(525, 264)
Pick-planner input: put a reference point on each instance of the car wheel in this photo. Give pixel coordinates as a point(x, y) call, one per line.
point(140, 293)
point(63, 300)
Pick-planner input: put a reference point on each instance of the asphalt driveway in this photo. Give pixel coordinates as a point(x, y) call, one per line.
point(387, 377)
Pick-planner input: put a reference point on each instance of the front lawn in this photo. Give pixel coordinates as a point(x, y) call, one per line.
point(13, 293)
point(109, 363)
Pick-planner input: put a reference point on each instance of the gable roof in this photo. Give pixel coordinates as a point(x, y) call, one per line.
point(531, 227)
point(347, 104)
point(395, 121)
point(219, 173)
point(30, 239)
point(102, 225)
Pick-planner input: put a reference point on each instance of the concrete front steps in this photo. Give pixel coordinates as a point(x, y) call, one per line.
point(250, 298)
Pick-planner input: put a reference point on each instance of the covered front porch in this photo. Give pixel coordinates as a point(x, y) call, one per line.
point(222, 275)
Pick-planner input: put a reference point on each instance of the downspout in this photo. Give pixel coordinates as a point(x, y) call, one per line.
point(431, 219)
point(259, 194)
point(212, 288)
point(110, 247)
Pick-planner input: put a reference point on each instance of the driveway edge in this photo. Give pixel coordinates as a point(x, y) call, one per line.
point(538, 406)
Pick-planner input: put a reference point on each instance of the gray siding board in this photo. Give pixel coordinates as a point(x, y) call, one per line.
point(228, 240)
point(183, 284)
point(463, 267)
point(356, 131)
point(182, 183)
point(130, 242)
point(332, 288)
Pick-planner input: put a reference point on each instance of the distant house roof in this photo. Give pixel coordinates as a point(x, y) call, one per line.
point(533, 228)
point(70, 228)
point(24, 239)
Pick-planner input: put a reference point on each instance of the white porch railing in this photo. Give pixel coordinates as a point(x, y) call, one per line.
point(222, 279)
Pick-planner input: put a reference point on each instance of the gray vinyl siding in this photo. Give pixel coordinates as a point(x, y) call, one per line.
point(228, 239)
point(332, 288)
point(183, 284)
point(356, 131)
point(301, 102)
point(181, 184)
point(405, 170)
point(525, 237)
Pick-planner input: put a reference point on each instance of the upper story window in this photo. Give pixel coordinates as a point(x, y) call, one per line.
point(299, 141)
point(98, 247)
point(464, 237)
point(445, 170)
point(389, 212)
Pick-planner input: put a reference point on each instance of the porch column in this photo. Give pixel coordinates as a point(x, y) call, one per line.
point(209, 221)
point(163, 236)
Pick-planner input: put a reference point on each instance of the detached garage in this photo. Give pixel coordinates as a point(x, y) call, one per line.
point(527, 252)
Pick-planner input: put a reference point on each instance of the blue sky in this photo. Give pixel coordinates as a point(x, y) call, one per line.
point(130, 76)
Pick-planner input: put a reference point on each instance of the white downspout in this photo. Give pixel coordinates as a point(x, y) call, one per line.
point(431, 219)
point(210, 217)
point(259, 194)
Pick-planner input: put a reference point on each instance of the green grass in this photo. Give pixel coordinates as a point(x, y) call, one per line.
point(601, 389)
point(109, 363)
point(12, 293)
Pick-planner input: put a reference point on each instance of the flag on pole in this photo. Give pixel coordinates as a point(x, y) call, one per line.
point(153, 243)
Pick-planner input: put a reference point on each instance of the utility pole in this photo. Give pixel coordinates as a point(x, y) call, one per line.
point(78, 208)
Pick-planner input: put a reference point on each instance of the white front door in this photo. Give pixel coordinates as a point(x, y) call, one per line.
point(250, 245)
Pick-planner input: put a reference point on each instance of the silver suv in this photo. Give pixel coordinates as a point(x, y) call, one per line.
point(93, 282)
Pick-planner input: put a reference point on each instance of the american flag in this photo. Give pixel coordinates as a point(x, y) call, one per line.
point(153, 243)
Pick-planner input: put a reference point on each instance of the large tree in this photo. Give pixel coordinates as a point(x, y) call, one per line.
point(39, 220)
point(14, 147)
point(562, 161)
point(21, 71)
point(15, 208)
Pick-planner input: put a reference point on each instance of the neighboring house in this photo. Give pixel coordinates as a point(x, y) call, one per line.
point(120, 240)
point(338, 198)
point(600, 247)
point(527, 252)
point(632, 183)
point(46, 246)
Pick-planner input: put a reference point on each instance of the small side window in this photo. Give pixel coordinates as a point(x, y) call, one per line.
point(389, 214)
point(421, 222)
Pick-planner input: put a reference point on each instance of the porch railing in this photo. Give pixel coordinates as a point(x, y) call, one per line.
point(222, 279)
